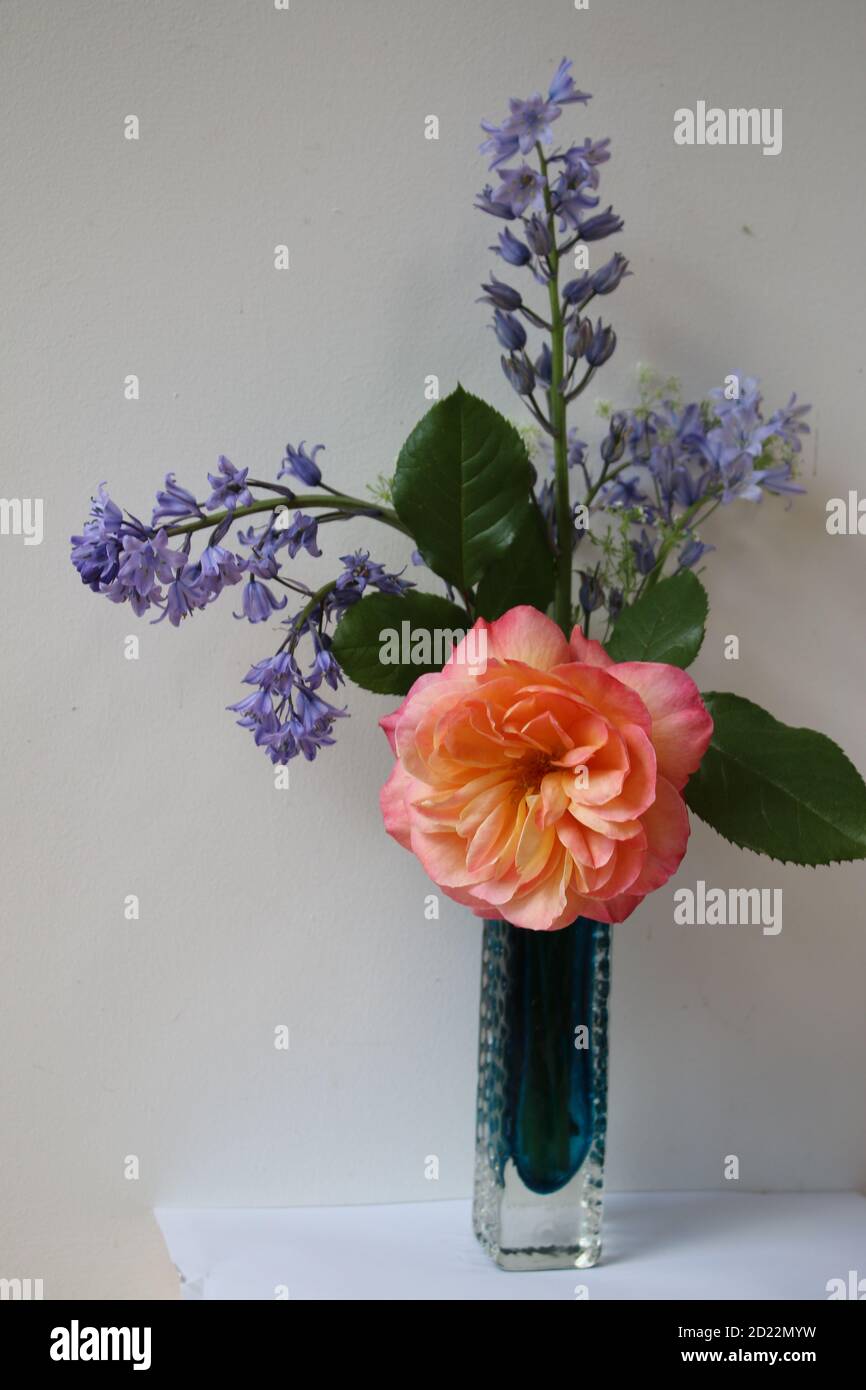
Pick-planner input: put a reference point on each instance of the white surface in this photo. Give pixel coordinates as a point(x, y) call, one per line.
point(658, 1246)
point(259, 907)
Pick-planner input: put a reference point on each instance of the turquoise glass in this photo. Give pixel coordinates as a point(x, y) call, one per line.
point(542, 1095)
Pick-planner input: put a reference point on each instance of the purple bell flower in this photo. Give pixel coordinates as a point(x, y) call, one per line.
point(538, 236)
point(602, 346)
point(174, 501)
point(644, 553)
point(302, 465)
point(691, 553)
point(509, 331)
point(220, 566)
point(96, 552)
point(301, 535)
point(259, 602)
point(603, 225)
point(562, 89)
point(146, 561)
point(606, 279)
point(520, 373)
point(186, 592)
point(511, 249)
point(544, 366)
point(577, 292)
point(487, 202)
point(590, 594)
point(578, 336)
point(522, 189)
point(500, 295)
point(229, 486)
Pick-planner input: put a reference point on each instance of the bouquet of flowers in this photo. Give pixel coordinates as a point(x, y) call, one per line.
point(549, 744)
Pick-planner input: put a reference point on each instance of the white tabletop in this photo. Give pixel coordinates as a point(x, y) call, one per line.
point(715, 1245)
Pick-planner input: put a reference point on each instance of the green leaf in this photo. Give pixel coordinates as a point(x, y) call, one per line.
point(788, 793)
point(462, 485)
point(524, 574)
point(667, 624)
point(371, 632)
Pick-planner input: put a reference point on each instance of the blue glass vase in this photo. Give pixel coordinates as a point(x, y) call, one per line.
point(542, 1095)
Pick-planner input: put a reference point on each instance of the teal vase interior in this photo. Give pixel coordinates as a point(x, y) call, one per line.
point(542, 1094)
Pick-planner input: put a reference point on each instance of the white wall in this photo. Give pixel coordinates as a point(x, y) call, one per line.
point(257, 908)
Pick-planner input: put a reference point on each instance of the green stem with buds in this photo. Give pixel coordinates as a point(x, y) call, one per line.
point(557, 408)
point(352, 506)
point(674, 538)
point(315, 600)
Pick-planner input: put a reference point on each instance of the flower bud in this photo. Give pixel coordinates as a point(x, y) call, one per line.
point(538, 236)
point(591, 593)
point(520, 374)
point(614, 604)
point(613, 444)
point(511, 249)
point(602, 345)
point(578, 336)
point(501, 296)
point(509, 331)
point(606, 279)
point(577, 292)
point(544, 366)
point(602, 225)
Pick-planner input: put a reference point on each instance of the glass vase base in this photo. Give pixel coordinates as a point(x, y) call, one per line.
point(547, 1257)
point(524, 1230)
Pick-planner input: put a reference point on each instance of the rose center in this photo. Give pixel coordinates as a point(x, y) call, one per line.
point(532, 769)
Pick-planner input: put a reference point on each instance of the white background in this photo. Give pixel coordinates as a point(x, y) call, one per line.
point(261, 907)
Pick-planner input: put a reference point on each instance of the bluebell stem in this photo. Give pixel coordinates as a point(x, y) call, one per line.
point(556, 196)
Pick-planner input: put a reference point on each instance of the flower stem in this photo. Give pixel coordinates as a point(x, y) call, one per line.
point(667, 545)
point(314, 601)
point(557, 411)
point(352, 506)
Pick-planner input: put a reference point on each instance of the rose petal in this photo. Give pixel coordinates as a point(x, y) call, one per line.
point(524, 634)
point(587, 650)
point(681, 723)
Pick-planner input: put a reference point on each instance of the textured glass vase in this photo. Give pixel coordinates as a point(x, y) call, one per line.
point(542, 1095)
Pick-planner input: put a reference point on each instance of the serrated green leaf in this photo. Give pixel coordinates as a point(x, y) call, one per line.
point(788, 793)
point(462, 485)
point(666, 624)
point(361, 644)
point(524, 574)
